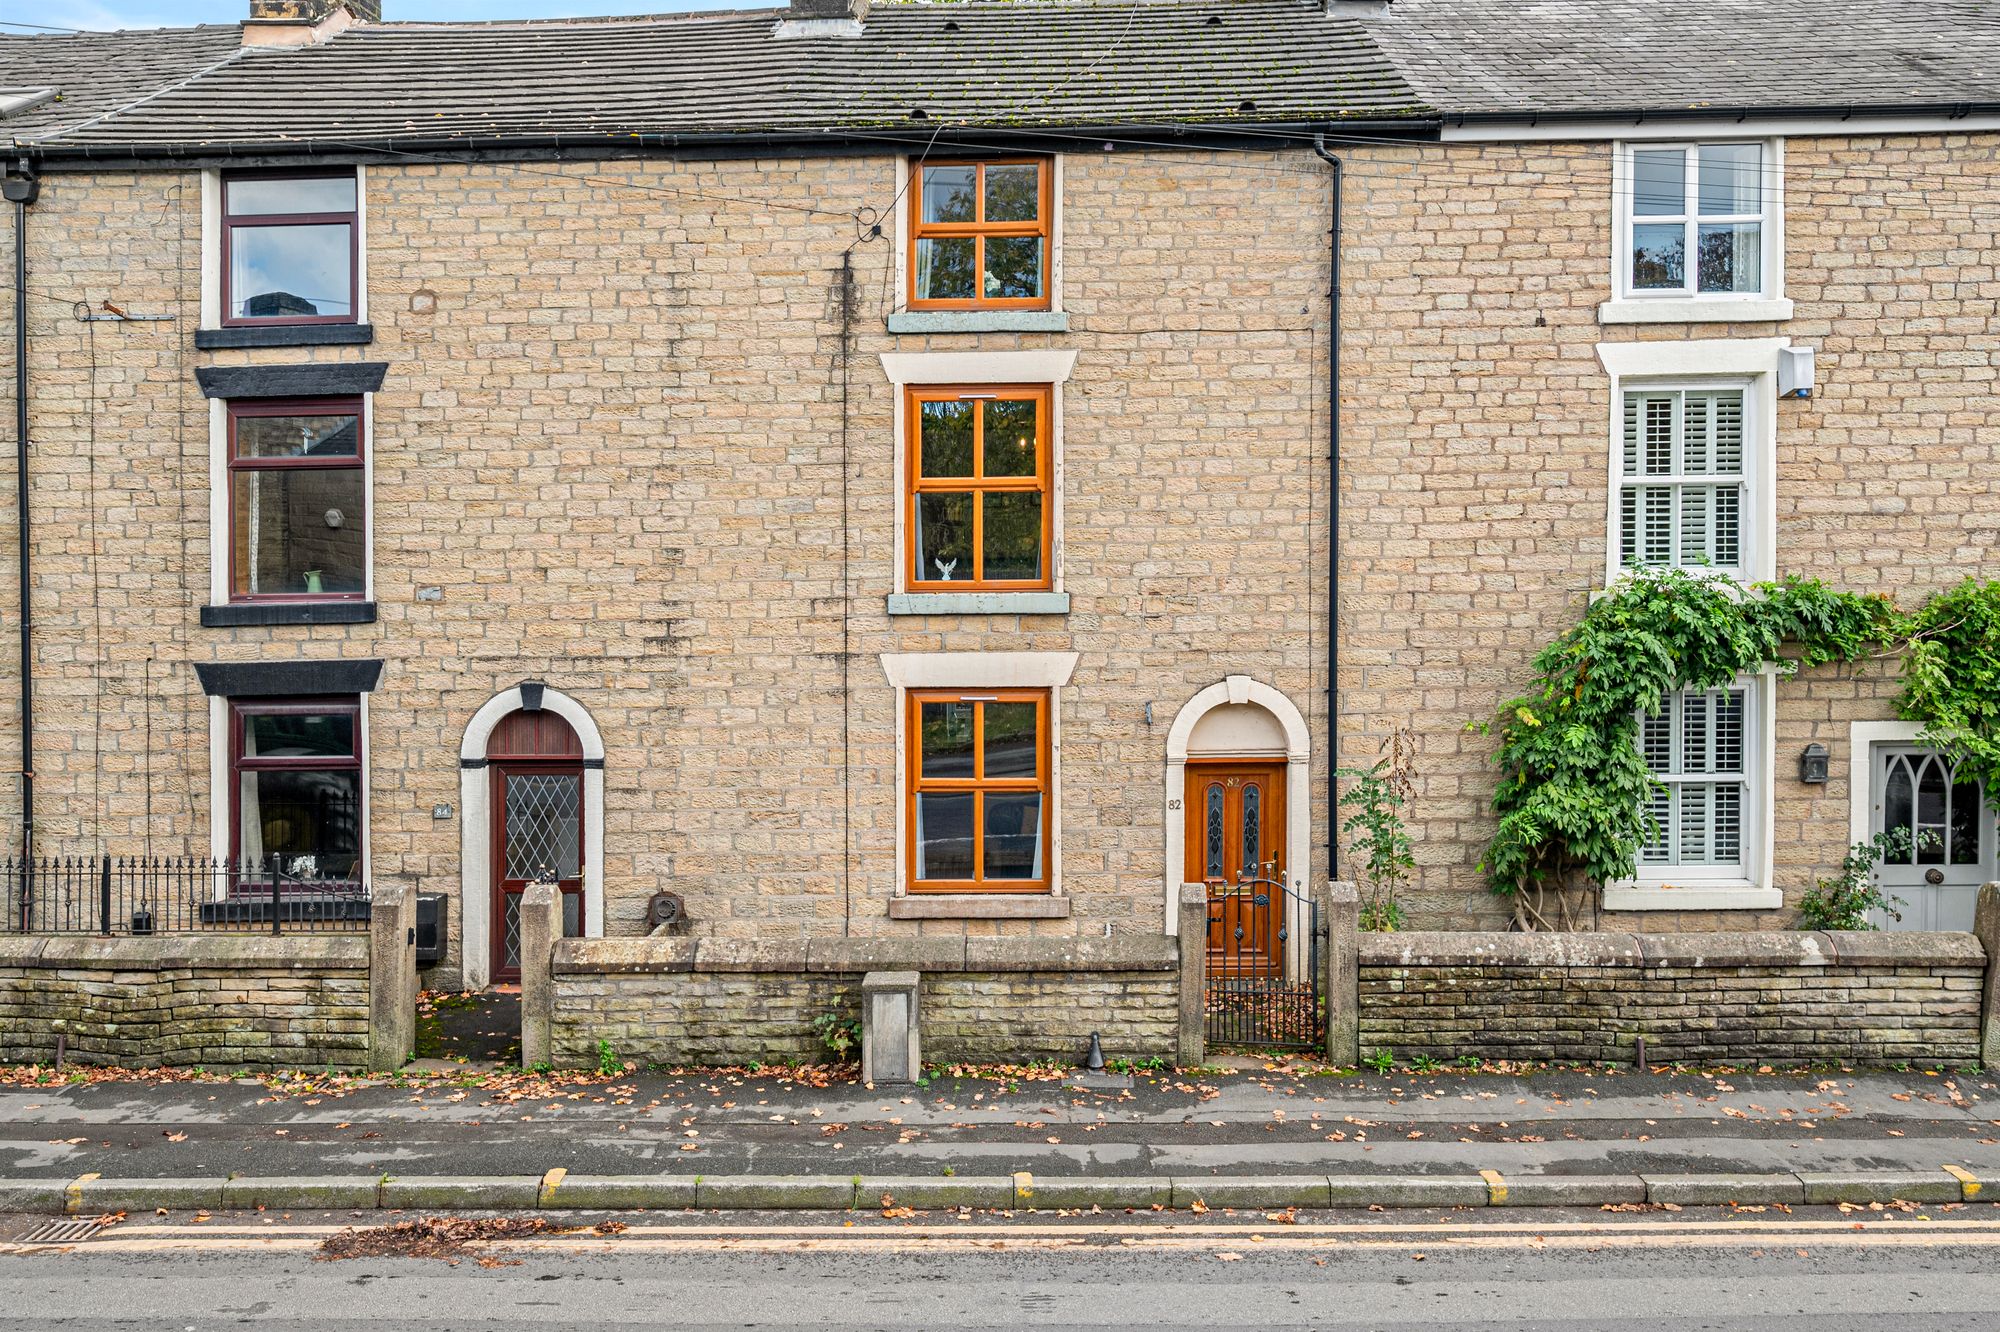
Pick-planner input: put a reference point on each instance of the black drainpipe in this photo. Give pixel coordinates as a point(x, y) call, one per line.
point(21, 190)
point(1332, 525)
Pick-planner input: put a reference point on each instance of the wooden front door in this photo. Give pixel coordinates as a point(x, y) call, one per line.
point(1235, 823)
point(537, 766)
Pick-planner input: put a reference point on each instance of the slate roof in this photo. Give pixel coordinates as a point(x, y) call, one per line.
point(1512, 57)
point(1013, 63)
point(97, 72)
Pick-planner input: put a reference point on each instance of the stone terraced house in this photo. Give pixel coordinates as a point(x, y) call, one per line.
point(886, 469)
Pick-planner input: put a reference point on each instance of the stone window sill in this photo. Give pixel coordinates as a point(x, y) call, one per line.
point(1695, 311)
point(979, 603)
point(979, 321)
point(1713, 895)
point(239, 614)
point(288, 335)
point(979, 906)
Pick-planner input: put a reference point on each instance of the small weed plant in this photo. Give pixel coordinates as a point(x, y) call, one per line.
point(1382, 1061)
point(1374, 827)
point(840, 1035)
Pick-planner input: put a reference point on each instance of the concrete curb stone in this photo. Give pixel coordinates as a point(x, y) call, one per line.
point(456, 1191)
point(1251, 1191)
point(1571, 1190)
point(1407, 1191)
point(804, 1192)
point(34, 1195)
point(144, 1195)
point(1048, 1193)
point(934, 1191)
point(1879, 1187)
point(619, 1192)
point(1720, 1190)
point(302, 1192)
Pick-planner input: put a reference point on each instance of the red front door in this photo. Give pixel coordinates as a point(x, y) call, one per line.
point(537, 767)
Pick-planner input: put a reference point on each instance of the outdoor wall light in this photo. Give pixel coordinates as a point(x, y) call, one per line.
point(1812, 765)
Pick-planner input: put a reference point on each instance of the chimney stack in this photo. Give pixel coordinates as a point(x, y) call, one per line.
point(305, 22)
point(854, 11)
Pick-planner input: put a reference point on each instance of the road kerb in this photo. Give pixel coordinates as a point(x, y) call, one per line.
point(558, 1190)
point(1721, 1190)
point(1879, 1186)
point(73, 1195)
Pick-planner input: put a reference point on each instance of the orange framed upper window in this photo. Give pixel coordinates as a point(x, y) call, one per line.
point(979, 235)
point(978, 489)
point(978, 790)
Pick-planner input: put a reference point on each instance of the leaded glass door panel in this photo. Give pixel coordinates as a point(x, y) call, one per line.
point(538, 834)
point(1235, 825)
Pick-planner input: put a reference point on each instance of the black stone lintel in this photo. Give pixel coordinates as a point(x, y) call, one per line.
point(288, 679)
point(303, 612)
point(333, 379)
point(285, 335)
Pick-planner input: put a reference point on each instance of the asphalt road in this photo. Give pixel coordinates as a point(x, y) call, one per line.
point(1711, 1269)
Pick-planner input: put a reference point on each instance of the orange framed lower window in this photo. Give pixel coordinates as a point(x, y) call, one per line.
point(978, 791)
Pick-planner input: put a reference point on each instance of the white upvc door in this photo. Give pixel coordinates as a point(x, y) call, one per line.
point(1951, 845)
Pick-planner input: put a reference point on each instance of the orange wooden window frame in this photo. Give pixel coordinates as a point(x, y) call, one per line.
point(979, 230)
point(977, 786)
point(978, 485)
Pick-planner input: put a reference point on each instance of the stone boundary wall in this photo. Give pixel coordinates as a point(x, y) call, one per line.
point(220, 1001)
point(727, 1001)
point(1858, 998)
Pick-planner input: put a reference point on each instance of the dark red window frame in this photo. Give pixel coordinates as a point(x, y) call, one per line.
point(238, 765)
point(238, 465)
point(231, 221)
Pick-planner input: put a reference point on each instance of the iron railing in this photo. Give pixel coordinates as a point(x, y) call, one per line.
point(145, 895)
point(1263, 990)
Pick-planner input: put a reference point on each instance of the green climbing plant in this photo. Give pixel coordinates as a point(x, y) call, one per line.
point(1951, 678)
point(1574, 796)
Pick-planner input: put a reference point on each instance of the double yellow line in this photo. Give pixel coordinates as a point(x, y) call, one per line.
point(1244, 1238)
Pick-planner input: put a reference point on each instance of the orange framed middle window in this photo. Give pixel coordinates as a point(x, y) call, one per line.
point(979, 235)
point(979, 504)
point(978, 790)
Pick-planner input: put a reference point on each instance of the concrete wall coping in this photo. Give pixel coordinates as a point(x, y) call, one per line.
point(1802, 948)
point(649, 955)
point(163, 952)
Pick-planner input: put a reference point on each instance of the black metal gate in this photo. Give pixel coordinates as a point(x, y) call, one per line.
point(1264, 970)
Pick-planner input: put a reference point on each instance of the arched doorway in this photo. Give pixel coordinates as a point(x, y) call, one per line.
point(532, 791)
point(1237, 773)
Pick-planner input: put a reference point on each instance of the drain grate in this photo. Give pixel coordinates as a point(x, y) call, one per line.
point(62, 1232)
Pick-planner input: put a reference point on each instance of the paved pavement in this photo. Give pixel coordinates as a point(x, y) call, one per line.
point(1254, 1123)
point(1810, 1269)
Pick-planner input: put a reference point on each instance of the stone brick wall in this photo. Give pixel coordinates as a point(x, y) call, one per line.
point(1866, 999)
point(217, 1001)
point(1475, 449)
point(709, 1001)
point(611, 436)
